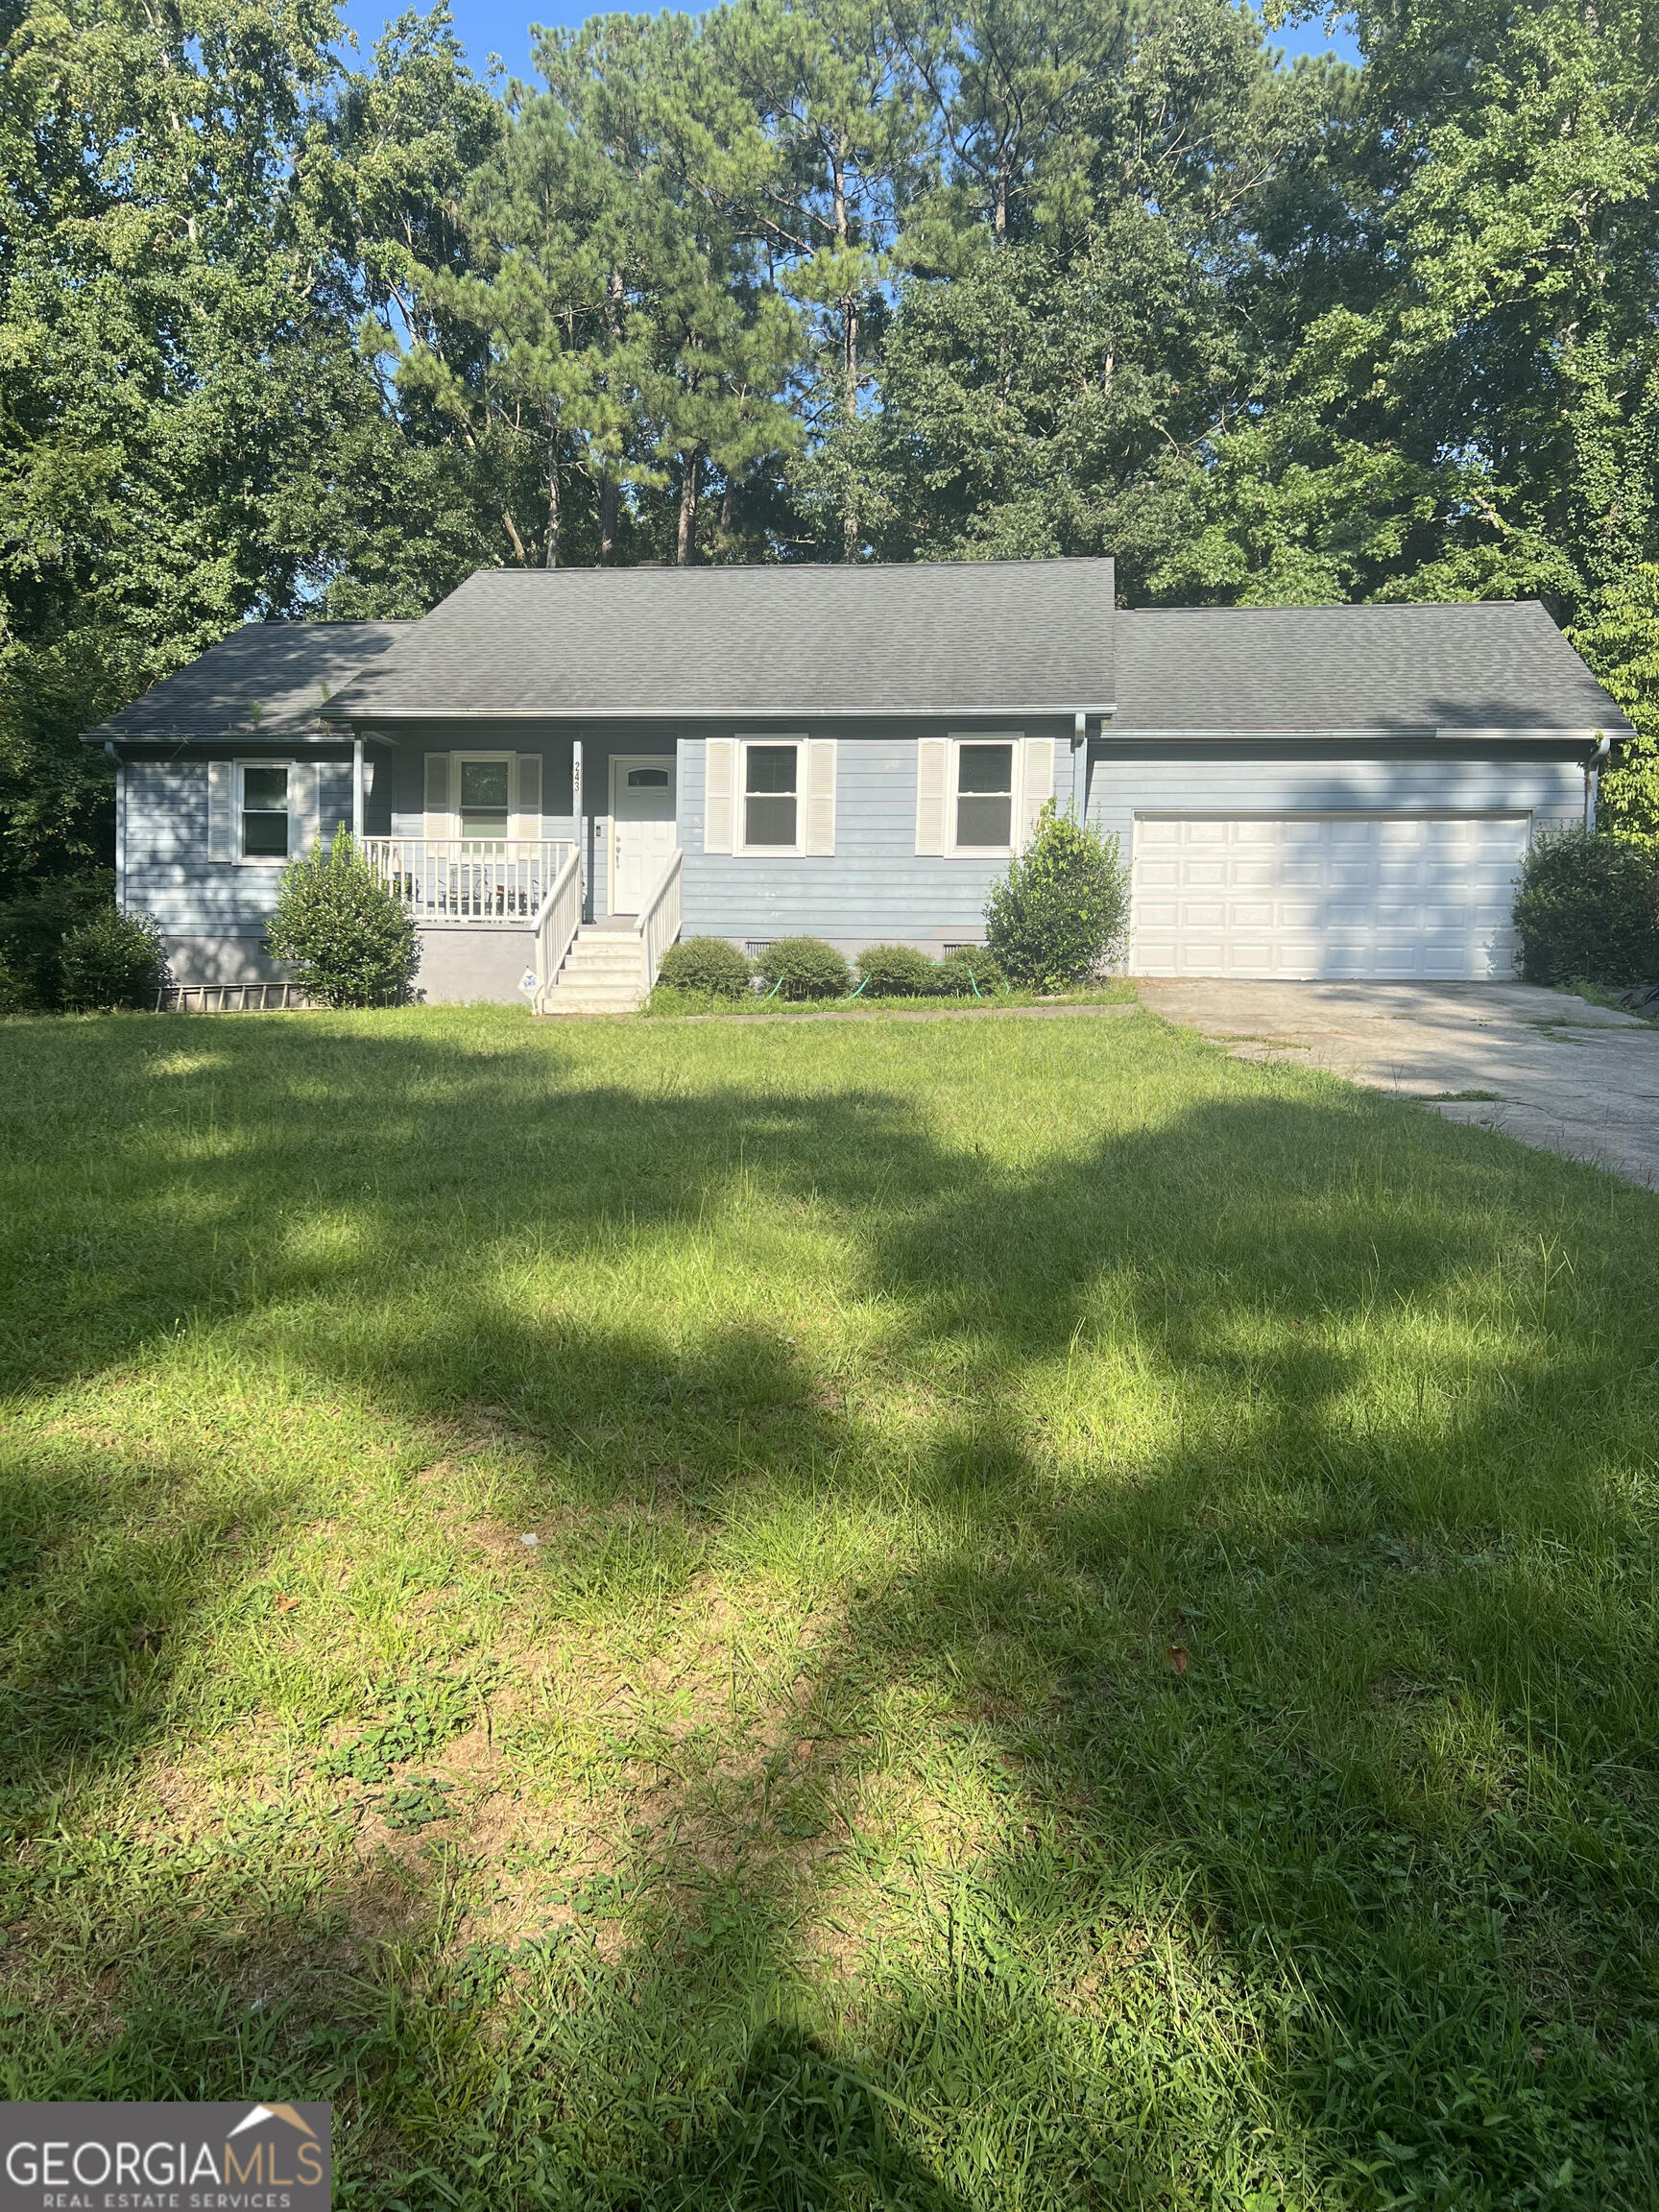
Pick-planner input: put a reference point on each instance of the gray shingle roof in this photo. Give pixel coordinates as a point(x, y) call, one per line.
point(266, 680)
point(756, 642)
point(1484, 665)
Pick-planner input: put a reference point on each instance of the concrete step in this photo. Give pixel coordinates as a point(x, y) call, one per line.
point(606, 963)
point(607, 1003)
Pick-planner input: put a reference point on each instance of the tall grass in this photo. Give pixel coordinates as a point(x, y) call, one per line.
point(1091, 1636)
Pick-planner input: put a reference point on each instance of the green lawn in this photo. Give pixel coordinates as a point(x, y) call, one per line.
point(1091, 1640)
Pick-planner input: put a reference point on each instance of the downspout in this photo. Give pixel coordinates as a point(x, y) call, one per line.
point(357, 787)
point(1593, 780)
point(1079, 765)
point(120, 823)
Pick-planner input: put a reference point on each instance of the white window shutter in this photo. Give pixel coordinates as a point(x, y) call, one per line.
point(718, 804)
point(528, 795)
point(1035, 785)
point(820, 794)
point(303, 826)
point(436, 796)
point(932, 756)
point(221, 810)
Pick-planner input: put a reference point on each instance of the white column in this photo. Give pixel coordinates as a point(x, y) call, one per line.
point(357, 789)
point(580, 827)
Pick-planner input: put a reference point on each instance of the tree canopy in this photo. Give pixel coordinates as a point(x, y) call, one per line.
point(288, 331)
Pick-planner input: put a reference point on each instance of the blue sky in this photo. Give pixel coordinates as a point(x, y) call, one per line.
point(503, 27)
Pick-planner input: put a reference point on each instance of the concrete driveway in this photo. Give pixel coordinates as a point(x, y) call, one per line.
point(1540, 1066)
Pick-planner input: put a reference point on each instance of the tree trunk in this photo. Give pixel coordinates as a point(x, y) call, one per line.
point(608, 483)
point(850, 409)
point(685, 551)
point(848, 344)
point(553, 505)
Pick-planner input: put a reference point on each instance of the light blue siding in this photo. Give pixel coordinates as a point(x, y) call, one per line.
point(877, 888)
point(1149, 777)
point(168, 872)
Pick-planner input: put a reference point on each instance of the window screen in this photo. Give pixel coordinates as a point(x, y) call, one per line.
point(265, 813)
point(486, 795)
point(985, 795)
point(769, 795)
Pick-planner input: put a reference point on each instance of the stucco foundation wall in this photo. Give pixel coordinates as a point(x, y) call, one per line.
point(461, 965)
point(226, 959)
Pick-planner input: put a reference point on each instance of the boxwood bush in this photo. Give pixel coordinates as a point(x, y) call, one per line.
point(1061, 914)
point(805, 967)
point(347, 936)
point(967, 974)
point(712, 966)
point(1587, 910)
point(111, 960)
point(896, 971)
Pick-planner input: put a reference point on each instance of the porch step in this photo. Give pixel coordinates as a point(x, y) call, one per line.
point(603, 973)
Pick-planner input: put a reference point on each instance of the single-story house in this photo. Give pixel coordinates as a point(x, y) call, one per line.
point(562, 770)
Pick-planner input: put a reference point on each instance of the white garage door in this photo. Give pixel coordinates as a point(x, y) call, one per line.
point(1326, 895)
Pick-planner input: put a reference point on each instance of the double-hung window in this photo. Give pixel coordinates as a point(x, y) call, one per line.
point(982, 799)
point(770, 797)
point(486, 798)
point(264, 812)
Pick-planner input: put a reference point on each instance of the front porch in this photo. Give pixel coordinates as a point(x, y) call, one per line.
point(496, 915)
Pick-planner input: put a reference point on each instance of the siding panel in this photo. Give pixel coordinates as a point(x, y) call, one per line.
point(876, 886)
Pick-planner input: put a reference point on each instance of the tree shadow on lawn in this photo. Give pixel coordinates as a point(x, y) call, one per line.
point(1278, 1581)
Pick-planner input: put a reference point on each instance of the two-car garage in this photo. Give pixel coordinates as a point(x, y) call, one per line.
point(1308, 895)
point(1341, 792)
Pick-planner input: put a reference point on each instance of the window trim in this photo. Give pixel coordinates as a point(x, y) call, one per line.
point(242, 857)
point(741, 794)
point(1015, 740)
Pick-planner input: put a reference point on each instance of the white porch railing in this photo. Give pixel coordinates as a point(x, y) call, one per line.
point(470, 880)
point(558, 919)
point(658, 922)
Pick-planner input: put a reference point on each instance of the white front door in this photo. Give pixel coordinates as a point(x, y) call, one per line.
point(1292, 896)
point(644, 832)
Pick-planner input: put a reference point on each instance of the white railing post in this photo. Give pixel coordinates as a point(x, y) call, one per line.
point(558, 919)
point(658, 922)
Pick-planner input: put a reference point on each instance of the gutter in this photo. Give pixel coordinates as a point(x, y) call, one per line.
point(1417, 733)
point(1050, 709)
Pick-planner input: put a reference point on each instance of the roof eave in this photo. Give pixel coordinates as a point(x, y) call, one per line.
point(1057, 708)
point(1424, 732)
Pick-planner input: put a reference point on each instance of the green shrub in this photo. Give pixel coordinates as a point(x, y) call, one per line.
point(805, 967)
point(1587, 910)
point(344, 934)
point(16, 997)
point(710, 964)
point(896, 971)
point(32, 927)
point(111, 960)
point(1061, 914)
point(967, 974)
